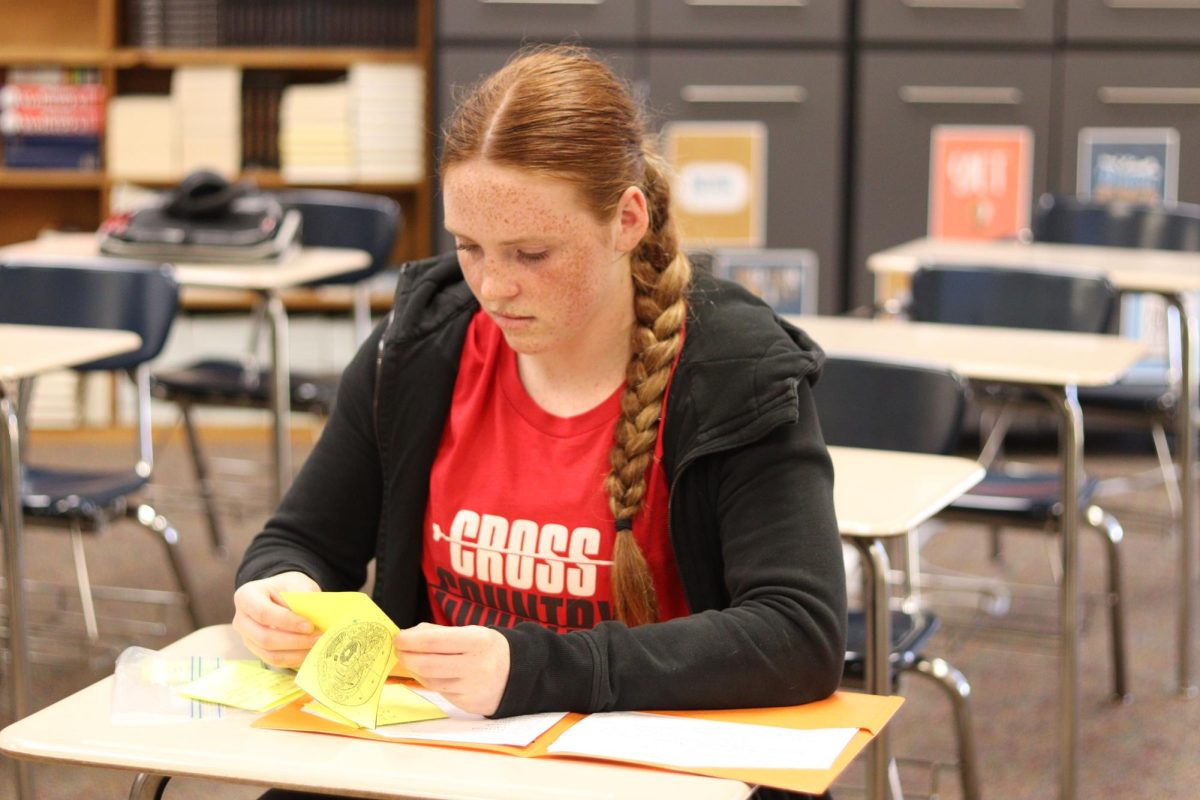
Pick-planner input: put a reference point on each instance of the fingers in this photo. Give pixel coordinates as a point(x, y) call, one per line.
point(271, 630)
point(469, 666)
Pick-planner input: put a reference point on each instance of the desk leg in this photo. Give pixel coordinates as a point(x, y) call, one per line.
point(14, 569)
point(281, 393)
point(1066, 402)
point(874, 562)
point(1189, 527)
point(147, 786)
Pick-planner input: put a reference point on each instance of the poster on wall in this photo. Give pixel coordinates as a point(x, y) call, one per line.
point(1137, 165)
point(1134, 165)
point(980, 180)
point(720, 182)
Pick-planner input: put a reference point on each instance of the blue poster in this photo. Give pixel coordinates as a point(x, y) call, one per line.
point(1137, 165)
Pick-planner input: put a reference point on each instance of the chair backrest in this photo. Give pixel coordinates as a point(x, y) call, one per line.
point(1067, 219)
point(1012, 298)
point(890, 405)
point(137, 296)
point(332, 218)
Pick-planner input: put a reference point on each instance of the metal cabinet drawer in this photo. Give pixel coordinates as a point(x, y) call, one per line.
point(798, 96)
point(1133, 90)
point(1129, 21)
point(902, 97)
point(538, 20)
point(461, 67)
point(746, 20)
point(1014, 21)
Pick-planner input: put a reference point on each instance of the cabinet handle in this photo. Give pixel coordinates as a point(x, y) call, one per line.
point(709, 93)
point(542, 2)
point(1149, 95)
point(987, 5)
point(748, 3)
point(961, 95)
point(1153, 5)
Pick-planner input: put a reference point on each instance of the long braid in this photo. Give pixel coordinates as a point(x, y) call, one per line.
point(660, 278)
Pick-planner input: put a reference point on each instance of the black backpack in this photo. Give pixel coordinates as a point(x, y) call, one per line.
point(205, 218)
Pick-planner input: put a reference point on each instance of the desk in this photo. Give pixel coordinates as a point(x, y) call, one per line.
point(77, 730)
point(266, 279)
point(1171, 275)
point(26, 351)
point(881, 494)
point(1054, 364)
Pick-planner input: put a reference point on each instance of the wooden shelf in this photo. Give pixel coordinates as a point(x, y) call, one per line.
point(66, 57)
point(273, 179)
point(264, 57)
point(51, 179)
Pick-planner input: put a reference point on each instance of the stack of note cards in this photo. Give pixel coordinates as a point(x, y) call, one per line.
point(346, 672)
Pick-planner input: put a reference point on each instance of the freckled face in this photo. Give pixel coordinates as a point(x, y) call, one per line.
point(538, 261)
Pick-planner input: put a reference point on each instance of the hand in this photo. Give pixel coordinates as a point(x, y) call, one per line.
point(271, 630)
point(468, 666)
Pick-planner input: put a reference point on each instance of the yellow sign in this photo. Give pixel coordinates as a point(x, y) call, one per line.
point(719, 185)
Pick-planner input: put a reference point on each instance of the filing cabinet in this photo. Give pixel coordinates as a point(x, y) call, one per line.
point(519, 21)
point(901, 97)
point(1133, 90)
point(958, 21)
point(798, 96)
point(1133, 21)
point(744, 21)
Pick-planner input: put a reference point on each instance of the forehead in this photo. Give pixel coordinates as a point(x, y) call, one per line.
point(487, 200)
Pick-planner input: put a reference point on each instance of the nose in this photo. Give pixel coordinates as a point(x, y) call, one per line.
point(496, 281)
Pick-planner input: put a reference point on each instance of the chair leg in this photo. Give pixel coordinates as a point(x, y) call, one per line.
point(1166, 465)
point(83, 580)
point(1110, 529)
point(956, 687)
point(207, 495)
point(157, 524)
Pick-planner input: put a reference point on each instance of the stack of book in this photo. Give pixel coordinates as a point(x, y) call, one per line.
point(208, 102)
point(388, 107)
point(316, 143)
point(52, 118)
point(259, 23)
point(143, 138)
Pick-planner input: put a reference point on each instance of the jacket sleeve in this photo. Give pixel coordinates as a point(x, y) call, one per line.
point(779, 641)
point(326, 524)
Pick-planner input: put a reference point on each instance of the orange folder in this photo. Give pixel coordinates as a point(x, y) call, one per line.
point(869, 713)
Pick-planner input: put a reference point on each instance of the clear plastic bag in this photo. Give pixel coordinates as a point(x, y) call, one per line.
point(145, 683)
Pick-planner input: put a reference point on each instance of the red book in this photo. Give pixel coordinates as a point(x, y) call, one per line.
point(14, 95)
point(52, 119)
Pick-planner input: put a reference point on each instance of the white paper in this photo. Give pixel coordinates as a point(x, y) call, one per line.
point(464, 727)
point(684, 742)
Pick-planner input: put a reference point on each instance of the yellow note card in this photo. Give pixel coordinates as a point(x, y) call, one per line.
point(398, 704)
point(244, 684)
point(348, 666)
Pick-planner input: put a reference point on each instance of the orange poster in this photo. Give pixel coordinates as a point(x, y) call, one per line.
point(979, 181)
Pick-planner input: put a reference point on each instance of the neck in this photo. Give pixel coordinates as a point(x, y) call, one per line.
point(582, 374)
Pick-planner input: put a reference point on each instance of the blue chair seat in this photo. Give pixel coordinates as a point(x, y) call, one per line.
point(1153, 398)
point(229, 383)
point(85, 494)
point(1031, 496)
point(910, 633)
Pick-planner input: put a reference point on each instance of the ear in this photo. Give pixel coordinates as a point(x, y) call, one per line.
point(632, 219)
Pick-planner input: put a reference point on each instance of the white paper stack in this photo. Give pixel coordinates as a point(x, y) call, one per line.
point(143, 140)
point(388, 107)
point(209, 104)
point(316, 143)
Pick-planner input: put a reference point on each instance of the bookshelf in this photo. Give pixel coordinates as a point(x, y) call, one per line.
point(100, 35)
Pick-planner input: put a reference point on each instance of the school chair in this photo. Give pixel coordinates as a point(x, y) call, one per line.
point(909, 407)
point(1149, 397)
point(329, 218)
point(1013, 494)
point(136, 296)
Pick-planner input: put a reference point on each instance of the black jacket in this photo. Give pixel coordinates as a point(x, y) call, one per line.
point(751, 510)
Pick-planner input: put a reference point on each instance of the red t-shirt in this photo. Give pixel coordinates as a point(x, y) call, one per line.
point(518, 525)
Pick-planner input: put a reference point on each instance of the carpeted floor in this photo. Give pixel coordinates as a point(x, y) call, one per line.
point(1149, 748)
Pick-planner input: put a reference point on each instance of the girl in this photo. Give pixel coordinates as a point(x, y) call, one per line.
point(589, 479)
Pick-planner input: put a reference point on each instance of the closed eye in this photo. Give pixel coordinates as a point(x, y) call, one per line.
point(533, 258)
